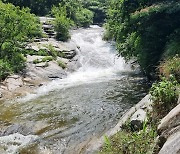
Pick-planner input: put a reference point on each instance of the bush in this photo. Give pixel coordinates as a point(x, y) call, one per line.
point(61, 23)
point(128, 24)
point(47, 59)
point(52, 50)
point(84, 18)
point(36, 61)
point(5, 69)
point(164, 95)
point(62, 64)
point(127, 142)
point(18, 26)
point(171, 67)
point(17, 62)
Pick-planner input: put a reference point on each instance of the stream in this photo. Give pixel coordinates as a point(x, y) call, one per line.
point(62, 117)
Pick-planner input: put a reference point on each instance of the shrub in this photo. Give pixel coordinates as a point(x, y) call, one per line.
point(47, 59)
point(42, 52)
point(5, 69)
point(128, 24)
point(171, 67)
point(62, 64)
point(173, 46)
point(18, 26)
point(164, 95)
point(84, 18)
point(61, 23)
point(127, 142)
point(52, 50)
point(17, 62)
point(36, 61)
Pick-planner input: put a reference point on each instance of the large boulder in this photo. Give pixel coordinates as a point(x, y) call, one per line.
point(172, 145)
point(171, 120)
point(169, 132)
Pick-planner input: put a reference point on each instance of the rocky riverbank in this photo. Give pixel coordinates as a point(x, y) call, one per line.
point(40, 69)
point(168, 129)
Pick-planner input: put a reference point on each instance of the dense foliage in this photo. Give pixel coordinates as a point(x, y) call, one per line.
point(127, 141)
point(73, 12)
point(61, 23)
point(43, 7)
point(38, 7)
point(98, 7)
point(16, 27)
point(147, 30)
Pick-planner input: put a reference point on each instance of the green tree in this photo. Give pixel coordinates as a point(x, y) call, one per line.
point(142, 29)
point(16, 27)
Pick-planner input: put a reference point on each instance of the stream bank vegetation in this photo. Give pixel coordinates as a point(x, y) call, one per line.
point(164, 94)
point(149, 32)
point(18, 26)
point(146, 30)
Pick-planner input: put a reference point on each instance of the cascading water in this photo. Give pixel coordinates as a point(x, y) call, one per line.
point(64, 115)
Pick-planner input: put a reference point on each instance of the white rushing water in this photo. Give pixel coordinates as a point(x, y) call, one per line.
point(65, 114)
point(98, 59)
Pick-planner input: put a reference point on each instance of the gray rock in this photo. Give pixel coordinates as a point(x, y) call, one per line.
point(1, 95)
point(45, 19)
point(69, 54)
point(171, 120)
point(137, 119)
point(168, 130)
point(172, 145)
point(43, 64)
